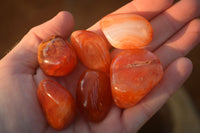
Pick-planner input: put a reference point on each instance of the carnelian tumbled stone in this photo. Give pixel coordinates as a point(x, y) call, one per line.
point(127, 30)
point(56, 57)
point(57, 104)
point(133, 74)
point(93, 95)
point(91, 49)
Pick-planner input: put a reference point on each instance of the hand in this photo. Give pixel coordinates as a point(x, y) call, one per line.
point(176, 32)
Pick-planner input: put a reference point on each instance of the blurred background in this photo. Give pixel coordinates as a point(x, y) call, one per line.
point(179, 115)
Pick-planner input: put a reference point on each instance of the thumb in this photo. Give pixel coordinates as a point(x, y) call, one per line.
point(23, 58)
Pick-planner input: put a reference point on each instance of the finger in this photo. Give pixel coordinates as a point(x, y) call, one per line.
point(180, 44)
point(104, 126)
point(174, 76)
point(143, 8)
point(172, 20)
point(24, 55)
point(140, 7)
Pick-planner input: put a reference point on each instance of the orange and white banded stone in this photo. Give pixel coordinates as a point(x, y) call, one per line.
point(127, 31)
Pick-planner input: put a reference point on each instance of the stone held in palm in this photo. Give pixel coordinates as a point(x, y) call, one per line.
point(93, 95)
point(56, 57)
point(133, 74)
point(57, 104)
point(127, 31)
point(91, 49)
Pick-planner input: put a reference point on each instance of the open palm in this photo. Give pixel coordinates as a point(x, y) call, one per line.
point(176, 32)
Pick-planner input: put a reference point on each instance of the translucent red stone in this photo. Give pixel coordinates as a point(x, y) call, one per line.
point(56, 57)
point(91, 49)
point(57, 104)
point(93, 95)
point(133, 74)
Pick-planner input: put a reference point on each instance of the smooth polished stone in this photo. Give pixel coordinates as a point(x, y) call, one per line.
point(57, 104)
point(133, 74)
point(93, 95)
point(91, 49)
point(56, 57)
point(127, 31)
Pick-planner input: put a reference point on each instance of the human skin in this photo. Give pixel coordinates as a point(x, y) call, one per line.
point(176, 32)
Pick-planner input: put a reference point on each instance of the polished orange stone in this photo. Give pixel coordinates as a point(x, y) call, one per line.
point(127, 30)
point(56, 57)
point(93, 95)
point(57, 104)
point(91, 49)
point(133, 74)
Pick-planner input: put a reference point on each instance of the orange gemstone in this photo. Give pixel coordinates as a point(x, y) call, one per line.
point(57, 104)
point(91, 50)
point(56, 57)
point(133, 74)
point(93, 95)
point(127, 31)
